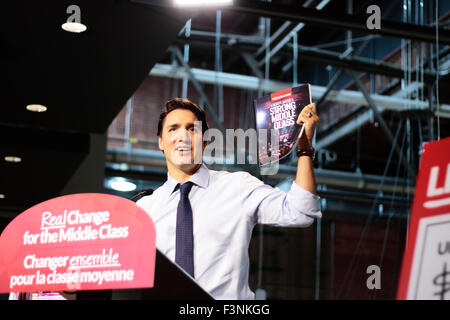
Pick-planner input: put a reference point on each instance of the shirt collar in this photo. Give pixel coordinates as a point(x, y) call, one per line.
point(199, 178)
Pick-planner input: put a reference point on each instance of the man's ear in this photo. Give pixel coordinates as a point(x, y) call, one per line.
point(205, 143)
point(160, 144)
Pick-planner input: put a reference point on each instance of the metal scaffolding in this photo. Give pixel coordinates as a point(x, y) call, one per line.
point(413, 97)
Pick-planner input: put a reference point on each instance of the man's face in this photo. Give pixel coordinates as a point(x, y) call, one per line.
point(180, 140)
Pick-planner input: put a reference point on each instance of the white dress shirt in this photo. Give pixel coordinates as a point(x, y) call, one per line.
point(225, 208)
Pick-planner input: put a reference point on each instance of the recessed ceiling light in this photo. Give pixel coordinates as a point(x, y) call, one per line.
point(121, 184)
point(74, 27)
point(36, 108)
point(2, 196)
point(13, 159)
point(203, 2)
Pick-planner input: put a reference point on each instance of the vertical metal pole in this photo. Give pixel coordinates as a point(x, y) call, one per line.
point(408, 175)
point(417, 46)
point(410, 46)
point(318, 240)
point(431, 108)
point(128, 114)
point(294, 73)
point(358, 147)
point(349, 32)
point(437, 72)
point(174, 81)
point(262, 30)
point(267, 44)
point(184, 90)
point(232, 109)
point(218, 66)
point(266, 76)
point(421, 56)
point(372, 76)
point(294, 59)
point(332, 234)
point(243, 106)
point(422, 53)
point(431, 87)
point(403, 44)
point(260, 254)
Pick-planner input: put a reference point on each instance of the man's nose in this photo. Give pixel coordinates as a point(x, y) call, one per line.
point(183, 135)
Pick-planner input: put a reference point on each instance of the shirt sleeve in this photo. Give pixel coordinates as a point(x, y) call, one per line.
point(267, 205)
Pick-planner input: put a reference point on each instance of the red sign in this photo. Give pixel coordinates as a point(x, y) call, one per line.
point(281, 94)
point(425, 272)
point(78, 242)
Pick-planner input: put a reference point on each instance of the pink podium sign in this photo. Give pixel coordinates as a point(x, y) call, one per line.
point(78, 242)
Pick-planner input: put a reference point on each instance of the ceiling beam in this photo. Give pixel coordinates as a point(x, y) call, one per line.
point(342, 20)
point(325, 57)
point(254, 83)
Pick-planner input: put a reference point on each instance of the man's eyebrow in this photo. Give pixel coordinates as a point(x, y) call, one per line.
point(176, 124)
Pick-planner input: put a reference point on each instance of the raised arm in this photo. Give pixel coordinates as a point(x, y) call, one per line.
point(305, 171)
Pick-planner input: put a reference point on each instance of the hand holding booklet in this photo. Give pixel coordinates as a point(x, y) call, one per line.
point(277, 113)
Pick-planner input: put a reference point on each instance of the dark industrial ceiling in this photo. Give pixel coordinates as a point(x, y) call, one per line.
point(84, 80)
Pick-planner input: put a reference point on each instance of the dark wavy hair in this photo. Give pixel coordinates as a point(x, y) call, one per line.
point(180, 103)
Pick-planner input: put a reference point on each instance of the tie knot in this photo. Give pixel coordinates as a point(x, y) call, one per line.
point(185, 188)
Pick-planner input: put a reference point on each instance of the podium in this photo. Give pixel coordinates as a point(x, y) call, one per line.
point(94, 231)
point(171, 283)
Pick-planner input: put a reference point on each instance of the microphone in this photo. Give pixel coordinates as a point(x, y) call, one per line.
point(142, 193)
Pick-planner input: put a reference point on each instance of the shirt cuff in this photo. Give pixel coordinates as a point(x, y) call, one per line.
point(304, 201)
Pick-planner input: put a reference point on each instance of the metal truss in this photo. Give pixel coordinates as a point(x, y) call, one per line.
point(254, 83)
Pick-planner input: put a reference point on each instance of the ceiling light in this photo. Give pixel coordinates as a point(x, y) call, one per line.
point(74, 27)
point(36, 108)
point(121, 184)
point(13, 159)
point(186, 3)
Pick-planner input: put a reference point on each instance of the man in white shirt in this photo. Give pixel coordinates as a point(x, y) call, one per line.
point(222, 207)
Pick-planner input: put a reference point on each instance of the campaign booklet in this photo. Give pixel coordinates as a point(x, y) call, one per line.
point(279, 112)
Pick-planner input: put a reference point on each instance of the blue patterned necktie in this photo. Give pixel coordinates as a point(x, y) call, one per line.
point(184, 248)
